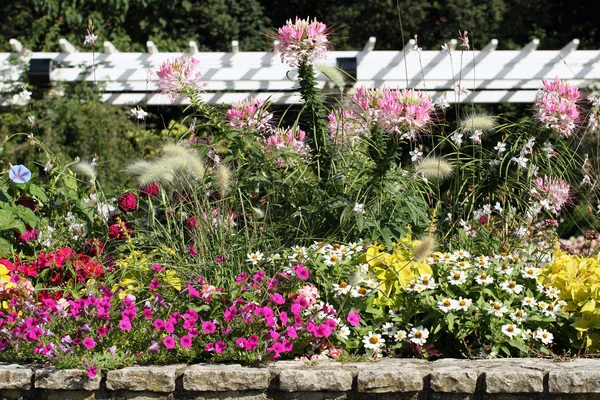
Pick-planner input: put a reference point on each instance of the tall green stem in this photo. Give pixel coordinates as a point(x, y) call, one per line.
point(314, 117)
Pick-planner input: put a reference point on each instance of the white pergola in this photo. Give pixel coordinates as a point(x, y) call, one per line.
point(490, 76)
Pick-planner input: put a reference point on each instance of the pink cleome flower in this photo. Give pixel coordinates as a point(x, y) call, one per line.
point(553, 194)
point(178, 76)
point(290, 141)
point(302, 41)
point(556, 105)
point(250, 115)
point(405, 113)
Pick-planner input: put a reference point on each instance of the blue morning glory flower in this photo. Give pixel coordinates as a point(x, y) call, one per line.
point(19, 174)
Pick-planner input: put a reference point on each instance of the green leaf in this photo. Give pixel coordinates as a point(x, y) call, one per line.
point(38, 193)
point(27, 216)
point(9, 222)
point(5, 247)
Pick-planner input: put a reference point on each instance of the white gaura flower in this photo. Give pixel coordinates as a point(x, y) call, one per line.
point(512, 287)
point(510, 330)
point(415, 155)
point(457, 138)
point(500, 147)
point(520, 161)
point(359, 208)
point(418, 335)
point(255, 257)
point(25, 95)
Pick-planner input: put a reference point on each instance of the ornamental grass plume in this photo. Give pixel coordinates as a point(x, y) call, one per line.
point(333, 73)
point(176, 164)
point(480, 121)
point(86, 169)
point(435, 168)
point(179, 77)
point(556, 105)
point(223, 179)
point(302, 41)
point(424, 248)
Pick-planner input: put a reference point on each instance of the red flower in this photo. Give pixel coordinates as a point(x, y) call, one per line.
point(27, 202)
point(191, 223)
point(128, 202)
point(119, 230)
point(27, 236)
point(93, 247)
point(151, 190)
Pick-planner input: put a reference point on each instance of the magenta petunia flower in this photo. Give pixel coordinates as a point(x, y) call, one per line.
point(220, 347)
point(169, 342)
point(92, 371)
point(89, 343)
point(185, 341)
point(353, 318)
point(125, 325)
point(159, 324)
point(208, 327)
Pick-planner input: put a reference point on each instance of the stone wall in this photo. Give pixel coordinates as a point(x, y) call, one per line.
point(506, 379)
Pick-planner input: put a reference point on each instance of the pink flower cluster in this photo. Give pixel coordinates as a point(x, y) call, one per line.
point(556, 105)
point(405, 113)
point(302, 41)
point(286, 142)
point(250, 116)
point(553, 194)
point(179, 76)
point(267, 317)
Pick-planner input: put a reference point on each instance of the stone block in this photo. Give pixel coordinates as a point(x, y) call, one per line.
point(574, 381)
point(454, 380)
point(65, 379)
point(224, 378)
point(150, 379)
point(514, 380)
point(315, 380)
point(386, 380)
point(15, 377)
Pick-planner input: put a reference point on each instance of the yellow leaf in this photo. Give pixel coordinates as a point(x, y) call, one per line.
point(590, 306)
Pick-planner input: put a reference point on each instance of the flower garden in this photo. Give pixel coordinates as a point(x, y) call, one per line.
point(376, 225)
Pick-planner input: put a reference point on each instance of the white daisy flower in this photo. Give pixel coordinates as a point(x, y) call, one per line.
point(484, 279)
point(457, 277)
point(512, 287)
point(389, 329)
point(418, 335)
point(544, 336)
point(518, 316)
point(254, 258)
point(530, 272)
point(341, 288)
point(510, 330)
point(497, 308)
point(373, 341)
point(343, 332)
point(463, 304)
point(447, 305)
point(529, 301)
point(400, 336)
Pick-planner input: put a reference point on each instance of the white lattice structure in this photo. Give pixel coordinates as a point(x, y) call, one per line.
point(491, 76)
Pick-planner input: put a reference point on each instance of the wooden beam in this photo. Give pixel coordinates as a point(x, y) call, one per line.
point(409, 46)
point(152, 49)
point(531, 46)
point(110, 48)
point(16, 46)
point(491, 46)
point(66, 47)
point(570, 47)
point(235, 46)
point(370, 45)
point(193, 47)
